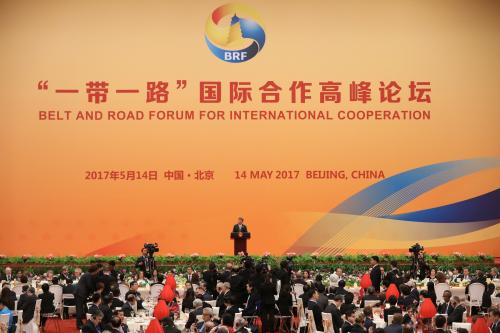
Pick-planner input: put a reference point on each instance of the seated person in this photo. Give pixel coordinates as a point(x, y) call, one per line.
point(130, 307)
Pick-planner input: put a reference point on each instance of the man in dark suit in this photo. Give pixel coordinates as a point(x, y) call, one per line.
point(446, 307)
point(370, 296)
point(440, 323)
point(334, 309)
point(7, 275)
point(27, 302)
point(116, 302)
point(197, 311)
point(314, 306)
point(240, 227)
point(84, 289)
point(376, 273)
point(495, 320)
point(238, 287)
point(349, 322)
point(93, 325)
point(456, 315)
point(96, 303)
point(224, 292)
point(393, 308)
point(396, 325)
point(323, 299)
point(23, 297)
point(192, 276)
point(121, 315)
point(253, 301)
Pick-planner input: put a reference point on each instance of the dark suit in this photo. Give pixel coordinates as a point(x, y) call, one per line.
point(192, 317)
point(83, 290)
point(393, 328)
point(171, 329)
point(237, 228)
point(127, 309)
point(336, 316)
point(391, 311)
point(89, 327)
point(347, 327)
point(376, 277)
point(210, 277)
point(495, 327)
point(4, 277)
point(445, 308)
point(318, 320)
point(220, 301)
point(285, 303)
point(47, 305)
point(456, 315)
point(93, 309)
point(116, 303)
point(193, 279)
point(107, 312)
point(27, 304)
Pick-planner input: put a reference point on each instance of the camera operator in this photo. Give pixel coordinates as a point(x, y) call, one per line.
point(418, 266)
point(146, 262)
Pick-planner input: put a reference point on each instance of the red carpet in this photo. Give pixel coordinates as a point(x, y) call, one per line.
point(66, 326)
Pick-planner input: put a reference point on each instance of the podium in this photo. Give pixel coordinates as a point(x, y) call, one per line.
point(240, 243)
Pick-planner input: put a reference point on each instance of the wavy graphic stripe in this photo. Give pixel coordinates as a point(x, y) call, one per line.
point(333, 235)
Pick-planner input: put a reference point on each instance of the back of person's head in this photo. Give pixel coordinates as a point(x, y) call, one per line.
point(197, 303)
point(367, 310)
point(397, 319)
point(167, 321)
point(405, 290)
point(338, 298)
point(97, 314)
point(462, 330)
point(341, 284)
point(222, 329)
point(440, 321)
point(55, 280)
point(348, 298)
point(227, 319)
point(370, 290)
point(107, 299)
point(25, 288)
point(379, 330)
point(23, 279)
point(360, 318)
point(116, 292)
point(393, 300)
point(115, 322)
point(96, 297)
point(238, 323)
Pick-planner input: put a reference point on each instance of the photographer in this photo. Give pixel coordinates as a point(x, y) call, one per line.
point(418, 267)
point(146, 262)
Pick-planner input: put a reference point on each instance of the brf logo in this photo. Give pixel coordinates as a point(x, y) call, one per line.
point(234, 33)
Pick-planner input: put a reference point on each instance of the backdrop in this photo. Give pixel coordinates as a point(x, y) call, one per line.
point(83, 186)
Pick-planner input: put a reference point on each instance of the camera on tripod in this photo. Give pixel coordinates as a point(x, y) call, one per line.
point(152, 248)
point(416, 249)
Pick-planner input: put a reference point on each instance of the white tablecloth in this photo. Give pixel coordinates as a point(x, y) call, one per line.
point(135, 323)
